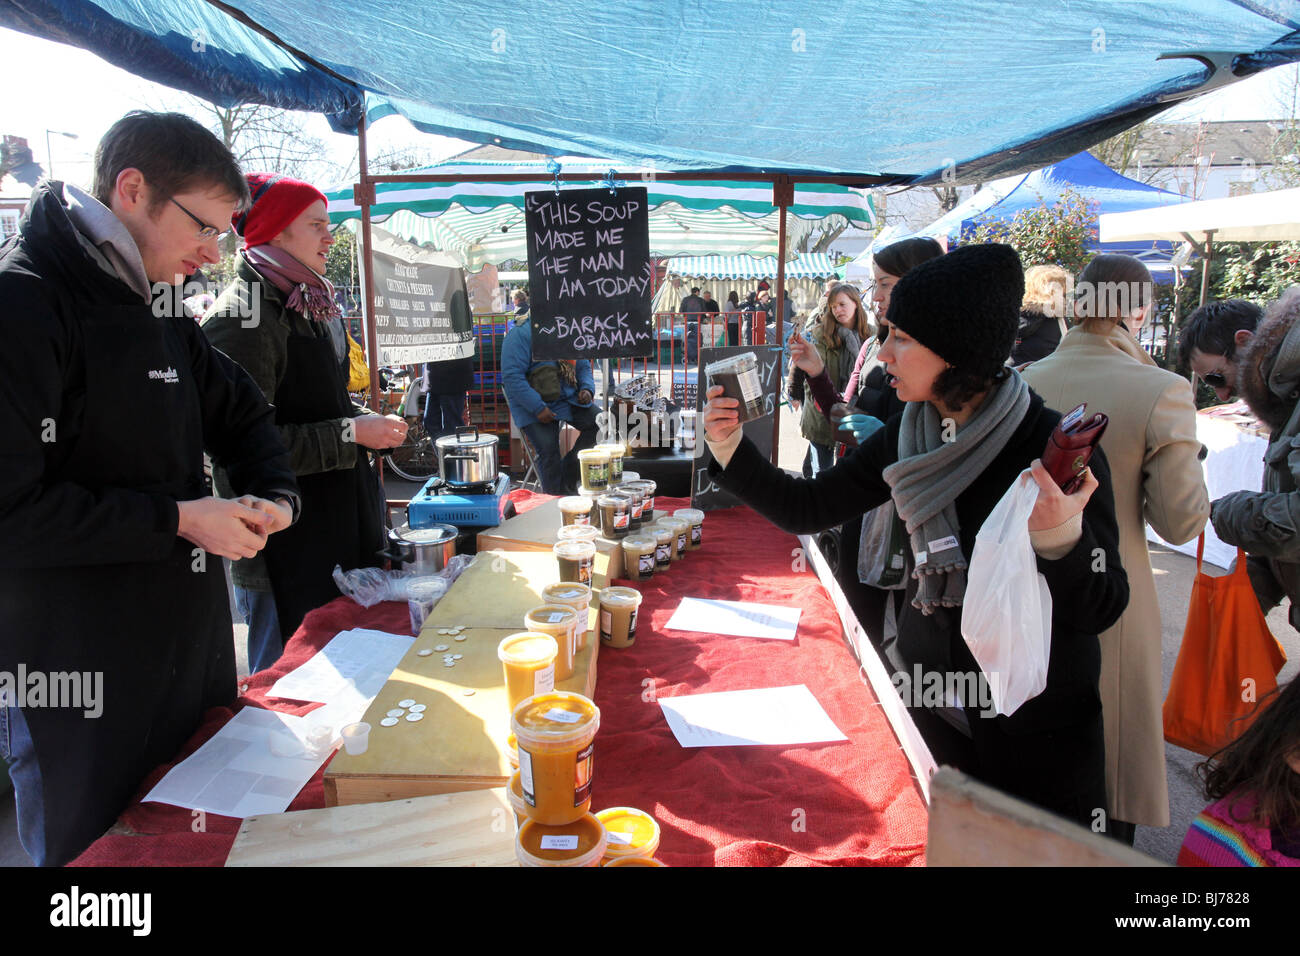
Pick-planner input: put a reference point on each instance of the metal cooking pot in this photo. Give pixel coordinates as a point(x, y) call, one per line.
point(466, 458)
point(421, 550)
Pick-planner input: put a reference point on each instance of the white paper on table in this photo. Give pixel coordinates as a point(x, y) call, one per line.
point(748, 718)
point(741, 618)
point(236, 774)
point(352, 667)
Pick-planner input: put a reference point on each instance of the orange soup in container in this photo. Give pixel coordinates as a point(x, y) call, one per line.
point(556, 733)
point(581, 843)
point(633, 861)
point(576, 596)
point(515, 793)
point(529, 662)
point(561, 622)
point(630, 833)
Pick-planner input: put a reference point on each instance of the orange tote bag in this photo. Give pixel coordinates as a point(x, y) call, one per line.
point(1225, 643)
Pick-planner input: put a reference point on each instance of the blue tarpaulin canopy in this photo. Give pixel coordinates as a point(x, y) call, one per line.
point(899, 89)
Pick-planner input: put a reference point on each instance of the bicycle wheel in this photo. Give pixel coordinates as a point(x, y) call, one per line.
point(415, 459)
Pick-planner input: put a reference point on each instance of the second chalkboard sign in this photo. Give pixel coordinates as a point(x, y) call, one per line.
point(589, 273)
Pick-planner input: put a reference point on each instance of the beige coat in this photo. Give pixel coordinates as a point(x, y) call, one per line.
point(1152, 449)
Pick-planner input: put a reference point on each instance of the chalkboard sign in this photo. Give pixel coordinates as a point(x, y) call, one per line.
point(705, 494)
point(589, 273)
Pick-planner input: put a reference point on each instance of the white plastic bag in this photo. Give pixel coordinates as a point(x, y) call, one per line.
point(1006, 617)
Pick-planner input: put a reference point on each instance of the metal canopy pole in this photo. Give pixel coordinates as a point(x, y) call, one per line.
point(783, 199)
point(363, 194)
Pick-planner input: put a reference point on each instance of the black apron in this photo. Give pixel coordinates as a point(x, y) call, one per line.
point(158, 631)
point(342, 511)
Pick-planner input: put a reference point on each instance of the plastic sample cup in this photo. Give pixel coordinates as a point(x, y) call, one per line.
point(556, 733)
point(575, 509)
point(578, 532)
point(631, 833)
point(576, 560)
point(593, 466)
point(633, 861)
point(615, 515)
point(664, 541)
point(423, 595)
point(528, 659)
point(616, 451)
point(739, 379)
point(681, 529)
point(561, 622)
point(581, 843)
point(618, 610)
point(639, 556)
point(696, 518)
point(576, 596)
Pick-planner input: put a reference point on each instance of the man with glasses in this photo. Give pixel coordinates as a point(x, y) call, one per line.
point(1211, 337)
point(111, 578)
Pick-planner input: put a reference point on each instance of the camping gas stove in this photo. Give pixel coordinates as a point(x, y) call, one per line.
point(477, 505)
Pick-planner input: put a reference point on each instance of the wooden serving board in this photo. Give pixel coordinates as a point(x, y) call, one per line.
point(497, 590)
point(535, 529)
point(455, 829)
point(460, 743)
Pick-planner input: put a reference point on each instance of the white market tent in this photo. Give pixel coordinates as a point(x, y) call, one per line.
point(1258, 217)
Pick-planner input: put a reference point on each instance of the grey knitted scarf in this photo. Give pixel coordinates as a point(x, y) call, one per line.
point(929, 475)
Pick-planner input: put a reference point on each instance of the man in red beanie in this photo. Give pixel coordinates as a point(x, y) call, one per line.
point(280, 321)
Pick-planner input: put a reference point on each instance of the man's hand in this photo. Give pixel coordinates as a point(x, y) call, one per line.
point(584, 397)
point(803, 354)
point(720, 416)
point(223, 527)
point(546, 416)
point(1053, 507)
point(280, 511)
point(379, 431)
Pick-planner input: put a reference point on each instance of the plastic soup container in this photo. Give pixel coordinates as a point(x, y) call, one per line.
point(618, 610)
point(616, 451)
point(529, 662)
point(696, 518)
point(632, 833)
point(739, 379)
point(578, 532)
point(581, 843)
point(593, 466)
point(576, 560)
point(615, 515)
point(576, 596)
point(681, 529)
point(556, 733)
point(639, 556)
point(634, 861)
point(636, 503)
point(664, 540)
point(575, 509)
point(561, 622)
point(648, 489)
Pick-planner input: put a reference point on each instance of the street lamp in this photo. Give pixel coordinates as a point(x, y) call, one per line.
point(49, 153)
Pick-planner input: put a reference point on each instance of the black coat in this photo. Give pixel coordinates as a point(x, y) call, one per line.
point(1085, 601)
point(1037, 337)
point(107, 410)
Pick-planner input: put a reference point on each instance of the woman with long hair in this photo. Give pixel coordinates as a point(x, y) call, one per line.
point(837, 337)
point(1255, 783)
point(970, 428)
point(1153, 452)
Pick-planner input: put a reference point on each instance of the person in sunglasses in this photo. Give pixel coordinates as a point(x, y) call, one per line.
point(280, 321)
point(1211, 337)
point(1264, 523)
point(111, 574)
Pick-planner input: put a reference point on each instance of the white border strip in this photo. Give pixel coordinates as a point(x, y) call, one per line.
point(909, 738)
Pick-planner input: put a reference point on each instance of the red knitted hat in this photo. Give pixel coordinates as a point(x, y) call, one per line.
point(277, 201)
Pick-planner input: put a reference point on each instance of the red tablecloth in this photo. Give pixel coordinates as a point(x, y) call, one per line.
point(851, 803)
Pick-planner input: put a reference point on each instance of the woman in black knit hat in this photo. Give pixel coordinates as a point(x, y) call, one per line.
point(969, 428)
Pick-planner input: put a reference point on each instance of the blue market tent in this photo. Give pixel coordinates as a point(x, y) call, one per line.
point(982, 90)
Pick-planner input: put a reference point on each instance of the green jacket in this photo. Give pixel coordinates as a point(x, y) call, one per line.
point(839, 366)
point(251, 324)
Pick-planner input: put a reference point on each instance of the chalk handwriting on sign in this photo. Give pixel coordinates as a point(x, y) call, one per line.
point(705, 493)
point(589, 273)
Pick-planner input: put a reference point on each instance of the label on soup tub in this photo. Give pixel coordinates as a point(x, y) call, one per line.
point(582, 775)
point(544, 680)
point(563, 716)
point(557, 842)
point(526, 776)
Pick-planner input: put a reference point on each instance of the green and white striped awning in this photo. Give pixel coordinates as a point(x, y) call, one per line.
point(807, 265)
point(481, 222)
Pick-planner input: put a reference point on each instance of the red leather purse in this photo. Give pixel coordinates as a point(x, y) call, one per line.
point(1070, 447)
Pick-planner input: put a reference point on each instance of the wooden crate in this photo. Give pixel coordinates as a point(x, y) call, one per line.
point(534, 531)
point(460, 744)
point(454, 829)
